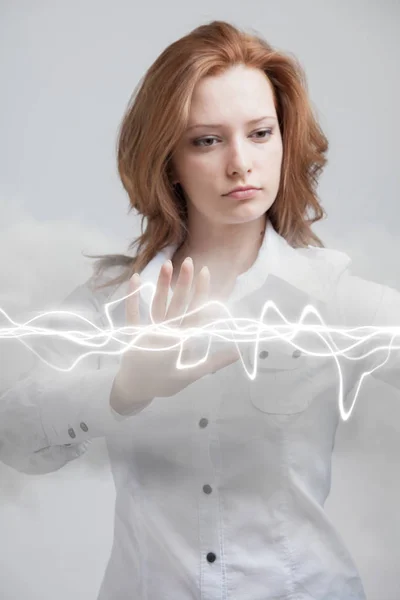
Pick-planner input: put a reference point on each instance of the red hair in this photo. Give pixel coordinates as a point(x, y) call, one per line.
point(158, 113)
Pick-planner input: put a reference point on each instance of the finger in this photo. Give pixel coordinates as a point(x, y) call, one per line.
point(200, 298)
point(160, 299)
point(132, 303)
point(180, 298)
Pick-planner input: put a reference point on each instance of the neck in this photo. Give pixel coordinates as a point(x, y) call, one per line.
point(227, 252)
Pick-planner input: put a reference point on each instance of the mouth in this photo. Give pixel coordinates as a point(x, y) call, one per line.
point(243, 194)
point(245, 188)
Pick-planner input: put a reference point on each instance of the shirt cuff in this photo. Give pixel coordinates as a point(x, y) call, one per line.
point(80, 409)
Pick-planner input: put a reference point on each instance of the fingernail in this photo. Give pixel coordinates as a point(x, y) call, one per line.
point(188, 259)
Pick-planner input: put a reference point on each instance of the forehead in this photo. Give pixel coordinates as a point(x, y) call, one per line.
point(238, 92)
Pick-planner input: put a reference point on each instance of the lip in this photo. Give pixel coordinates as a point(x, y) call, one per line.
point(242, 188)
point(243, 194)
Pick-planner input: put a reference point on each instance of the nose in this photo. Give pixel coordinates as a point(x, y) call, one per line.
point(239, 161)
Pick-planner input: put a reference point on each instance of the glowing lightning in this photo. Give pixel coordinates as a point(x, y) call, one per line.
point(286, 331)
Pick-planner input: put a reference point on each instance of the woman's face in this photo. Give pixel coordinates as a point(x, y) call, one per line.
point(226, 150)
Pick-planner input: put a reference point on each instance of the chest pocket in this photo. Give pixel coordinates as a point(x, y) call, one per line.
point(284, 378)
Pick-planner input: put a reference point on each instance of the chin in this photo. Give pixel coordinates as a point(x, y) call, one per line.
point(239, 219)
point(248, 212)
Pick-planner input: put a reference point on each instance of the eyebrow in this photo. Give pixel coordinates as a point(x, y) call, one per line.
point(216, 126)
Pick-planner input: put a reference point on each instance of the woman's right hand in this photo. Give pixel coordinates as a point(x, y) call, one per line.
point(145, 375)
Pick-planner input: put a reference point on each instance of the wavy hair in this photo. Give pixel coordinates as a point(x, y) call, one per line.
point(157, 115)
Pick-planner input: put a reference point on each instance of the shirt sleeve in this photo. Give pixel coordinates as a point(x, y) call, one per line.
point(367, 303)
point(388, 315)
point(50, 415)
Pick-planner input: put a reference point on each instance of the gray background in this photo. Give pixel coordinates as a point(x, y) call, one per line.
point(67, 71)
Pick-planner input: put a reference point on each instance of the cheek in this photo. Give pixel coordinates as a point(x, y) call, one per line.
point(274, 159)
point(279, 152)
point(278, 162)
point(197, 168)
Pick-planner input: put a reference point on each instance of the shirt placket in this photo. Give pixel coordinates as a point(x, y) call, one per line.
point(212, 565)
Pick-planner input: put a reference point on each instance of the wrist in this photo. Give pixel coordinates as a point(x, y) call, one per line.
point(123, 402)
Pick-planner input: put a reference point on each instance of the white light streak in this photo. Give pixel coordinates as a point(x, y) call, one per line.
point(229, 329)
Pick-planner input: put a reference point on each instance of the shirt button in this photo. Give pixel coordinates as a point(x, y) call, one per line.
point(211, 557)
point(296, 353)
point(207, 489)
point(84, 427)
point(203, 423)
point(263, 354)
point(71, 432)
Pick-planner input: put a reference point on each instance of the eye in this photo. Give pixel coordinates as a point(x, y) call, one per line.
point(199, 141)
point(268, 131)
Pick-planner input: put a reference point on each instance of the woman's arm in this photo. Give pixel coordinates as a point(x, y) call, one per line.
point(362, 302)
point(49, 416)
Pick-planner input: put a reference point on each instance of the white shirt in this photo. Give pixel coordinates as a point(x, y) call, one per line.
point(220, 489)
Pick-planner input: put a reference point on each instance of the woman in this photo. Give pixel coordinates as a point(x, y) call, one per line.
point(220, 480)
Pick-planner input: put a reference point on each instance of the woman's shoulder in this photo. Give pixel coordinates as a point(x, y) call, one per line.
point(97, 289)
point(360, 300)
point(327, 266)
point(328, 257)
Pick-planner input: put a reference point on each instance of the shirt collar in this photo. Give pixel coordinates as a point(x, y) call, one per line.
point(312, 270)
